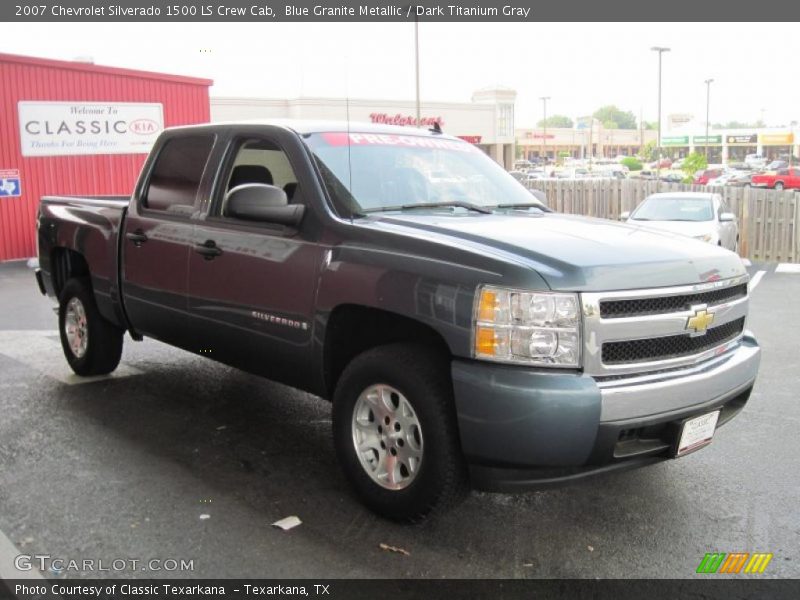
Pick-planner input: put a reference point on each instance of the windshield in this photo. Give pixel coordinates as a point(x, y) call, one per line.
point(674, 209)
point(368, 172)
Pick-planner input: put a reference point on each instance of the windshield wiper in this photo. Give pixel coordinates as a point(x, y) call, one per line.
point(536, 205)
point(454, 203)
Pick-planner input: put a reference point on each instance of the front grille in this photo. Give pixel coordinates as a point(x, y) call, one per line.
point(615, 309)
point(673, 346)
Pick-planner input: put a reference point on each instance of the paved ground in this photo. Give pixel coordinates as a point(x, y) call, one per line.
point(124, 467)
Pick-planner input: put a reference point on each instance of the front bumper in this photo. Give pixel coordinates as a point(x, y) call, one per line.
point(527, 428)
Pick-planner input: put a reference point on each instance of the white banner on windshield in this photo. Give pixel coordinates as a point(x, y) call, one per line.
point(75, 128)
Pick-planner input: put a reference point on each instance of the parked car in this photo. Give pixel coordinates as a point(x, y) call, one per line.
point(700, 215)
point(665, 163)
point(740, 180)
point(678, 164)
point(703, 176)
point(465, 336)
point(723, 179)
point(778, 180)
point(756, 161)
point(672, 178)
point(777, 164)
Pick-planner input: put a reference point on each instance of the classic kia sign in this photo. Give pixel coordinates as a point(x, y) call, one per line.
point(72, 128)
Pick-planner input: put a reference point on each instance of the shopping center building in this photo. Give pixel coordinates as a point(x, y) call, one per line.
point(581, 141)
point(487, 121)
point(733, 145)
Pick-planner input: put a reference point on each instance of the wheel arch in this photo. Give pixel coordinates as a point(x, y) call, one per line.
point(353, 329)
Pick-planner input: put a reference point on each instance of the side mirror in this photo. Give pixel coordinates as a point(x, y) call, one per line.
point(262, 203)
point(623, 216)
point(727, 217)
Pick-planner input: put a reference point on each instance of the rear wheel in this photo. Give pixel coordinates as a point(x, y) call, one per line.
point(92, 345)
point(779, 185)
point(395, 432)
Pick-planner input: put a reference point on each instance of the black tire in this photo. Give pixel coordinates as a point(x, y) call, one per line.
point(103, 348)
point(779, 186)
point(423, 378)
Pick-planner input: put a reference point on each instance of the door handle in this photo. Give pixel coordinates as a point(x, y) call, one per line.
point(138, 237)
point(208, 249)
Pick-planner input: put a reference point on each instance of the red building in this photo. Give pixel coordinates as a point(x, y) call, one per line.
point(77, 128)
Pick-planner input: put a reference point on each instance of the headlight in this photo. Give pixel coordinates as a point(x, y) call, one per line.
point(704, 238)
point(535, 328)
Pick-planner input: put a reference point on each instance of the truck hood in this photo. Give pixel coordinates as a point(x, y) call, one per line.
point(575, 253)
point(685, 228)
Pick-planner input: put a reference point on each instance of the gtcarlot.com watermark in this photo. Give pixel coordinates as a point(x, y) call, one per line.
point(58, 565)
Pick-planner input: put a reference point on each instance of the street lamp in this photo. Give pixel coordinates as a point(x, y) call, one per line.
point(660, 50)
point(544, 100)
point(708, 107)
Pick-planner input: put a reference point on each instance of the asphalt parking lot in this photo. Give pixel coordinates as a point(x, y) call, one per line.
point(177, 457)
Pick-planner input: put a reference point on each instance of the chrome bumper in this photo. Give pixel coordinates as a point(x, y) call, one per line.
point(680, 389)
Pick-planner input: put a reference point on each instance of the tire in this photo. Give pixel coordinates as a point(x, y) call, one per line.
point(92, 345)
point(408, 383)
point(779, 186)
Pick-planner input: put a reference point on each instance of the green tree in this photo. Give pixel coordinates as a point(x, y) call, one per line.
point(623, 119)
point(692, 163)
point(650, 125)
point(649, 152)
point(556, 121)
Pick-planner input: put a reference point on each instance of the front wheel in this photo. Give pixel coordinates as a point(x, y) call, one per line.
point(92, 345)
point(395, 432)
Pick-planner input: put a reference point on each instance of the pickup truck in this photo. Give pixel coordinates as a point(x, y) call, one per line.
point(466, 335)
point(788, 178)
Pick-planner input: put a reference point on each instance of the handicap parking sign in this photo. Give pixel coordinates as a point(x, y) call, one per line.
point(10, 183)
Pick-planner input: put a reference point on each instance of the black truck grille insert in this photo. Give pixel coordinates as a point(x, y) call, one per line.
point(673, 346)
point(615, 309)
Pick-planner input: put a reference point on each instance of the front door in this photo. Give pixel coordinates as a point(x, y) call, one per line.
point(251, 284)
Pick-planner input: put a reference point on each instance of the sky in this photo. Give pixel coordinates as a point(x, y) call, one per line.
point(580, 66)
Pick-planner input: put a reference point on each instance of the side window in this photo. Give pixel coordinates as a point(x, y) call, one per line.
point(260, 161)
point(176, 175)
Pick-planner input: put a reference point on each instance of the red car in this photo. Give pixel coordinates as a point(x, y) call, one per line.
point(703, 177)
point(779, 180)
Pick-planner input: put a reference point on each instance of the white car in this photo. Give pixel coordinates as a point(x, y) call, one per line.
point(723, 179)
point(699, 215)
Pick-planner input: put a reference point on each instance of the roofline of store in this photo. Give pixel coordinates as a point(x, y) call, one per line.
point(92, 68)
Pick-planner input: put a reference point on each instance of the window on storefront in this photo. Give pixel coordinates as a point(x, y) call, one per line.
point(505, 120)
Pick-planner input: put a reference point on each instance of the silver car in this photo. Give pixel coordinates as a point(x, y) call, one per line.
point(700, 215)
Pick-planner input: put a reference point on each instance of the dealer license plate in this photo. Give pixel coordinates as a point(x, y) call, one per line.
point(697, 433)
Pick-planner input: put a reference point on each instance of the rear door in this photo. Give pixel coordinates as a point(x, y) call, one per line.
point(251, 300)
point(157, 237)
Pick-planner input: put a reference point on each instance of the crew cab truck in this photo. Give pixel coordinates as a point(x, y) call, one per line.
point(466, 335)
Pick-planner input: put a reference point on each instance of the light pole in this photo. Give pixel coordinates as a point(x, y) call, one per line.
point(544, 100)
point(708, 110)
point(660, 50)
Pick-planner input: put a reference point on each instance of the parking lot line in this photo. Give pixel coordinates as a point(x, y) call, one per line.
point(755, 280)
point(9, 552)
point(41, 350)
point(788, 268)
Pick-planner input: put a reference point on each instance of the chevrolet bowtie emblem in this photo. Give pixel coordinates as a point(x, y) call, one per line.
point(700, 321)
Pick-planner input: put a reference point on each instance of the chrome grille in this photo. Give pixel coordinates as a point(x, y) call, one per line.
point(615, 309)
point(630, 332)
point(672, 346)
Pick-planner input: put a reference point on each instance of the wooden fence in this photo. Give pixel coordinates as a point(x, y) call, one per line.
point(768, 219)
